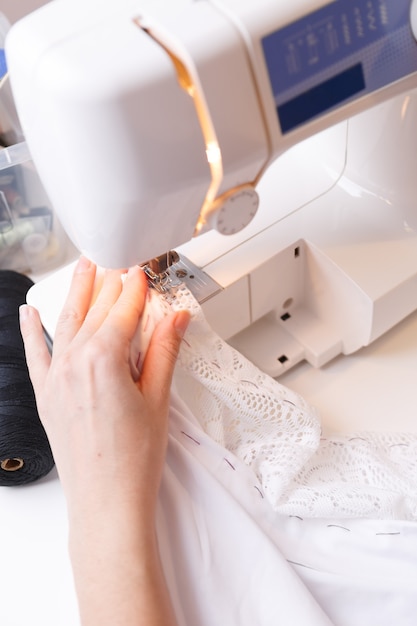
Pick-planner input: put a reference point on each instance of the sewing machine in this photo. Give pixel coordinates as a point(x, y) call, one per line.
point(176, 153)
point(319, 288)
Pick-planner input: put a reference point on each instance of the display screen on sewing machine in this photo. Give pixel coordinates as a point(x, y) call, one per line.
point(346, 48)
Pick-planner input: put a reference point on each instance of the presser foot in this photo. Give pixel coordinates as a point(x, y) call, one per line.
point(170, 271)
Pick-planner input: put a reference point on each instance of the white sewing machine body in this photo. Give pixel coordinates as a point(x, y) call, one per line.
point(335, 272)
point(167, 123)
point(329, 262)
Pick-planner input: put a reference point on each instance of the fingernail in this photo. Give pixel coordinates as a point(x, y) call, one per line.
point(181, 322)
point(83, 265)
point(24, 312)
point(132, 271)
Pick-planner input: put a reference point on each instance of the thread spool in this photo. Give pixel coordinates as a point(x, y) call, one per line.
point(25, 453)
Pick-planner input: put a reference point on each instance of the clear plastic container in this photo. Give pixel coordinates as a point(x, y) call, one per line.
point(4, 28)
point(32, 239)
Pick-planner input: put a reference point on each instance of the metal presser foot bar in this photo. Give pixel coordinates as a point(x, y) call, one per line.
point(167, 272)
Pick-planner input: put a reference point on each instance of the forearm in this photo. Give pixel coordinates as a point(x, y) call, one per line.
point(119, 577)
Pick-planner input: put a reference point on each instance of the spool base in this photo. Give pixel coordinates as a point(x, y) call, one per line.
point(12, 465)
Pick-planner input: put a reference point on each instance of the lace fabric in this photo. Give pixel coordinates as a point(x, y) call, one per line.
point(278, 435)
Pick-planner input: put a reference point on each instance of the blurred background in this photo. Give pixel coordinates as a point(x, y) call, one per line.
point(15, 10)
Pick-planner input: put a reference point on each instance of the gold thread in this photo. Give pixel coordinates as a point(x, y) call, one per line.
point(213, 153)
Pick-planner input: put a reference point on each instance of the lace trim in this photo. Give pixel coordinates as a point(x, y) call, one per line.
point(274, 431)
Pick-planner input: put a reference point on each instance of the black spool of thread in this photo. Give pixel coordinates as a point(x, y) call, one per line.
point(25, 453)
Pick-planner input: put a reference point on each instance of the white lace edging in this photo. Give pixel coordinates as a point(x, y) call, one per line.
point(275, 432)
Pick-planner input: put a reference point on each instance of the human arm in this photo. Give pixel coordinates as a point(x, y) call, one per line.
point(108, 433)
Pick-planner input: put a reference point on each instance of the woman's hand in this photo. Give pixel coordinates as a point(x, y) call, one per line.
point(108, 432)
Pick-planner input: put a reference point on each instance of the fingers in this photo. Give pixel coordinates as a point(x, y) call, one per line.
point(85, 310)
point(108, 294)
point(160, 360)
point(76, 305)
point(37, 355)
point(124, 316)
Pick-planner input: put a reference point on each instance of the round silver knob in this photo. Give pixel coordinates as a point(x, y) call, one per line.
point(235, 210)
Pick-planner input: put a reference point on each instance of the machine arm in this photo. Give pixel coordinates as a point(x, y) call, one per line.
point(150, 123)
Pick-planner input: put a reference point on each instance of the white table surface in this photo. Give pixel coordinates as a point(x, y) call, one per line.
point(374, 389)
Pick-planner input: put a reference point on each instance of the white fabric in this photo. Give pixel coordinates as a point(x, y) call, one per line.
point(230, 559)
point(261, 521)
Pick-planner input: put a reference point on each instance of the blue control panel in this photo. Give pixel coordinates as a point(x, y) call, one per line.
point(3, 64)
point(345, 50)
